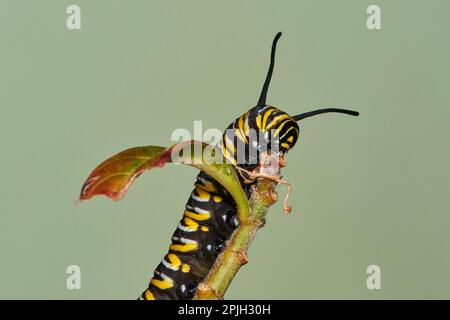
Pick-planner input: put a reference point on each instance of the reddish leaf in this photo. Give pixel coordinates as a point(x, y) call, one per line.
point(113, 177)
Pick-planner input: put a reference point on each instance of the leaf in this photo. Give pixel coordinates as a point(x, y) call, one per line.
point(114, 176)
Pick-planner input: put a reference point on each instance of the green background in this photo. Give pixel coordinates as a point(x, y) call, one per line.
point(367, 190)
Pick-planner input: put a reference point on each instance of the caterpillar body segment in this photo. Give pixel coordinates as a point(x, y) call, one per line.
point(208, 221)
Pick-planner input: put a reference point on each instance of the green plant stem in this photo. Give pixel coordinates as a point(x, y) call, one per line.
point(234, 256)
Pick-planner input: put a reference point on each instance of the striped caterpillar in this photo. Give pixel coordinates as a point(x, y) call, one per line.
point(210, 217)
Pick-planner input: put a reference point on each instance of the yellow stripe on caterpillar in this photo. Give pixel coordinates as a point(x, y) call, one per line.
point(187, 246)
point(199, 216)
point(229, 144)
point(246, 127)
point(149, 295)
point(174, 262)
point(266, 116)
point(207, 188)
point(238, 134)
point(241, 128)
point(286, 145)
point(201, 195)
point(190, 224)
point(277, 119)
point(166, 283)
point(226, 154)
point(205, 184)
point(258, 121)
point(278, 130)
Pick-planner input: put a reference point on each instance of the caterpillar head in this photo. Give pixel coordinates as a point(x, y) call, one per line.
point(265, 128)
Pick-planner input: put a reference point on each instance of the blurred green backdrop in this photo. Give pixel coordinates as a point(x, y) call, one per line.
point(367, 190)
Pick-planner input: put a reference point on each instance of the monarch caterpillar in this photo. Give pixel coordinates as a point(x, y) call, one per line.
point(210, 217)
